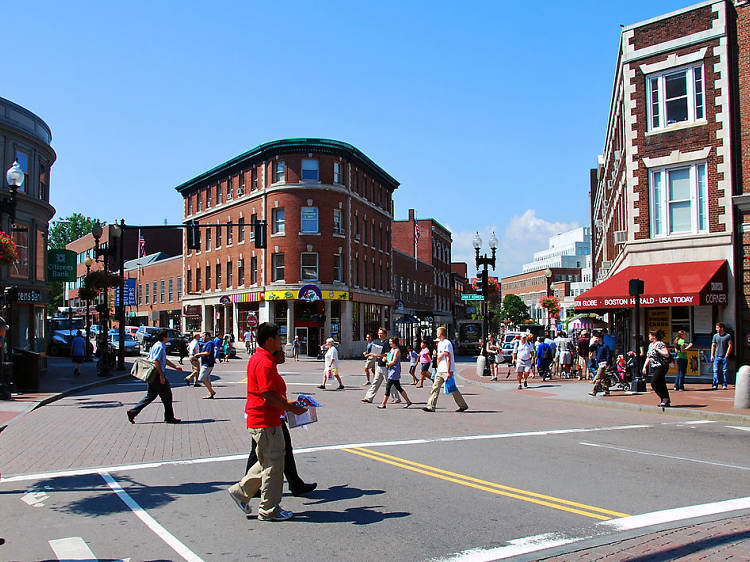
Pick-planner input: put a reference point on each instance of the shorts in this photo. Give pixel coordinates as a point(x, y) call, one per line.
point(205, 373)
point(566, 358)
point(425, 367)
point(370, 364)
point(78, 359)
point(490, 358)
point(523, 366)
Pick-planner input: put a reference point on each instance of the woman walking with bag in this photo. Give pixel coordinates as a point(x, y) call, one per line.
point(658, 359)
point(424, 364)
point(393, 364)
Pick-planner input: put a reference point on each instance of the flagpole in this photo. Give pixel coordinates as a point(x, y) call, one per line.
point(416, 240)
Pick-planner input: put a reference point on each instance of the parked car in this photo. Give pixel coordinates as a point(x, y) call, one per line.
point(131, 330)
point(131, 345)
point(145, 336)
point(175, 343)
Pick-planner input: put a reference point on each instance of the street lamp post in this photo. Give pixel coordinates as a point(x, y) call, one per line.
point(87, 262)
point(105, 253)
point(485, 262)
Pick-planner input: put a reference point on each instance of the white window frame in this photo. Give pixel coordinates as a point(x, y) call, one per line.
point(659, 204)
point(279, 171)
point(693, 101)
point(302, 228)
point(338, 225)
point(302, 266)
point(338, 268)
point(337, 177)
point(278, 226)
point(309, 161)
point(275, 266)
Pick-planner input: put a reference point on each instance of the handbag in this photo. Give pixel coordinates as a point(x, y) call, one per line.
point(143, 369)
point(450, 385)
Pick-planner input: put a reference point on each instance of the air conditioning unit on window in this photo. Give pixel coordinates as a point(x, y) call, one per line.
point(606, 265)
point(605, 204)
point(618, 155)
point(621, 236)
point(609, 184)
point(598, 223)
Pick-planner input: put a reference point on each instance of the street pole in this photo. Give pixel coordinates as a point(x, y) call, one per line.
point(636, 289)
point(88, 319)
point(485, 263)
point(121, 304)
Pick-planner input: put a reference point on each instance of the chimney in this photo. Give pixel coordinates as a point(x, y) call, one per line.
point(411, 214)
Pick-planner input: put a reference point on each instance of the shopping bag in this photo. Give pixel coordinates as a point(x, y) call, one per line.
point(450, 385)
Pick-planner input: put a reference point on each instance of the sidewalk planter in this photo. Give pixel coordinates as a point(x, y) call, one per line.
point(27, 367)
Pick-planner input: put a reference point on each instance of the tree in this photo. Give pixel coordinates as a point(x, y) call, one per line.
point(61, 233)
point(514, 309)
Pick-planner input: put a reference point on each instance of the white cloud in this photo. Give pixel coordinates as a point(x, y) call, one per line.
point(523, 235)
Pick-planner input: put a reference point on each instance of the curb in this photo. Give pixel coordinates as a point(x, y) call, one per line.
point(67, 392)
point(679, 412)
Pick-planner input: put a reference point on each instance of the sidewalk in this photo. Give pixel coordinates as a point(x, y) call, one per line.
point(57, 383)
point(698, 400)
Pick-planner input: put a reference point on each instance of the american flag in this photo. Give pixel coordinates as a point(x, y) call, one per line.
point(142, 245)
point(416, 229)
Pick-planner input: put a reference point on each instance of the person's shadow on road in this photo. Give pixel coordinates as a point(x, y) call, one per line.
point(365, 515)
point(339, 493)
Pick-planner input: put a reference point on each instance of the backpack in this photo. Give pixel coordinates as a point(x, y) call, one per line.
point(547, 353)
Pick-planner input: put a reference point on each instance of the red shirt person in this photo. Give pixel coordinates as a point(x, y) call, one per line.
point(266, 404)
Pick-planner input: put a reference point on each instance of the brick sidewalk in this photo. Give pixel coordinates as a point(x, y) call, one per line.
point(726, 539)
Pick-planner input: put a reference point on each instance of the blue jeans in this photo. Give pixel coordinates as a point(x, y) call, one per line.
point(679, 383)
point(720, 365)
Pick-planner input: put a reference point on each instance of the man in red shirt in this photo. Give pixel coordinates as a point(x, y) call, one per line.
point(266, 404)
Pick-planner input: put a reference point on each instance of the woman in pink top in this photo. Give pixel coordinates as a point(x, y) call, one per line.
point(424, 363)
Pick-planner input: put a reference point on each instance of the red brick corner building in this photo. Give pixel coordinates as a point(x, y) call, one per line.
point(327, 266)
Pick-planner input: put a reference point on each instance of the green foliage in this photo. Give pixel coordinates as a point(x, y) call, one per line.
point(63, 231)
point(514, 310)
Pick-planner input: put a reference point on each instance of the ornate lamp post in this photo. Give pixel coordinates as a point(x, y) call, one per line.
point(485, 262)
point(114, 232)
point(87, 262)
point(14, 176)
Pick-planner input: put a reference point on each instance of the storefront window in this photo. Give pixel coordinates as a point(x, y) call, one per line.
point(41, 254)
point(355, 321)
point(280, 311)
point(40, 316)
point(336, 320)
point(372, 319)
point(20, 235)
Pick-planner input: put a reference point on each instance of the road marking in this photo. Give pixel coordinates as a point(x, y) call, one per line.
point(536, 543)
point(740, 427)
point(239, 456)
point(492, 487)
point(650, 454)
point(72, 548)
point(150, 522)
point(35, 498)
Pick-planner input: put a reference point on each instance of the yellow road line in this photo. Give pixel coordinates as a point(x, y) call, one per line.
point(532, 497)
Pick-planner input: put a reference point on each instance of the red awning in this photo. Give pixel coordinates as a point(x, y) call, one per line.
point(665, 284)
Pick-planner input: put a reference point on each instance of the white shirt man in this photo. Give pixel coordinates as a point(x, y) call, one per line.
point(331, 368)
point(445, 371)
point(195, 362)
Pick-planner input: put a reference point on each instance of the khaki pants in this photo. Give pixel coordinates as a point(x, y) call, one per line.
point(601, 381)
point(377, 380)
point(437, 384)
point(195, 368)
point(266, 474)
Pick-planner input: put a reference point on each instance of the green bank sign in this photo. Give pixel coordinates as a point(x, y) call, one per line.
point(61, 265)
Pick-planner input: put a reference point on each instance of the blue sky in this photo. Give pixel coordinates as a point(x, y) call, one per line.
point(490, 114)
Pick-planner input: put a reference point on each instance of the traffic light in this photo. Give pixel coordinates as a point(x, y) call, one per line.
point(193, 236)
point(259, 228)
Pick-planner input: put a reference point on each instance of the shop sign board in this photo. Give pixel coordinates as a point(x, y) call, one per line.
point(470, 297)
point(693, 365)
point(25, 295)
point(129, 293)
point(61, 265)
point(225, 300)
point(658, 319)
point(309, 293)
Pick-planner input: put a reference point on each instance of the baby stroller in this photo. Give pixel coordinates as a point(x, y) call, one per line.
point(620, 377)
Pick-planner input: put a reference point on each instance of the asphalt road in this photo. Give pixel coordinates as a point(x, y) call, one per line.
point(519, 471)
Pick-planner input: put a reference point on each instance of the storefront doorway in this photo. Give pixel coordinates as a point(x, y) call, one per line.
point(301, 334)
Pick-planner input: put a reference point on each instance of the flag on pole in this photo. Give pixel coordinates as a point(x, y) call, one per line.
point(416, 239)
point(141, 245)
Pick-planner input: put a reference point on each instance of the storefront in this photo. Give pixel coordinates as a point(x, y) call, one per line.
point(690, 296)
point(192, 315)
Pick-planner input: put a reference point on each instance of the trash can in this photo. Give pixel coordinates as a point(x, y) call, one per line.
point(27, 367)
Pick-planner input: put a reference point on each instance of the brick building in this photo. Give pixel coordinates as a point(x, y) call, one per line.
point(661, 194)
point(158, 279)
point(433, 246)
point(413, 290)
point(459, 286)
point(535, 285)
point(327, 267)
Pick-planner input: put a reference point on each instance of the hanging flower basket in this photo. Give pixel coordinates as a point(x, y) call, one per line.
point(551, 304)
point(8, 250)
point(101, 280)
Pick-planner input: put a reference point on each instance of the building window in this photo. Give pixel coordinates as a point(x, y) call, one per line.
point(277, 263)
point(23, 161)
point(171, 290)
point(208, 278)
point(161, 292)
point(208, 196)
point(338, 221)
point(356, 272)
point(254, 178)
point(189, 281)
point(241, 186)
point(279, 172)
point(277, 221)
point(197, 280)
point(20, 267)
point(218, 237)
point(240, 272)
point(337, 267)
point(189, 205)
point(43, 181)
point(230, 188)
point(253, 270)
point(147, 290)
point(337, 173)
point(229, 275)
point(679, 200)
point(241, 230)
point(675, 97)
point(219, 194)
point(218, 276)
point(356, 227)
point(364, 231)
point(208, 239)
point(253, 220)
point(309, 266)
point(230, 233)
point(355, 321)
point(199, 201)
point(310, 170)
point(309, 220)
point(140, 295)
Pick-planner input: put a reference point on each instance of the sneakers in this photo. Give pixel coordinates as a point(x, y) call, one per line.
point(131, 417)
point(525, 384)
point(462, 409)
point(592, 393)
point(244, 507)
point(341, 387)
point(427, 410)
point(305, 488)
point(281, 515)
point(520, 387)
point(321, 387)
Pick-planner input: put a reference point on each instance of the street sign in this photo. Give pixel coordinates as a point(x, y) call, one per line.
point(252, 321)
point(61, 265)
point(472, 297)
